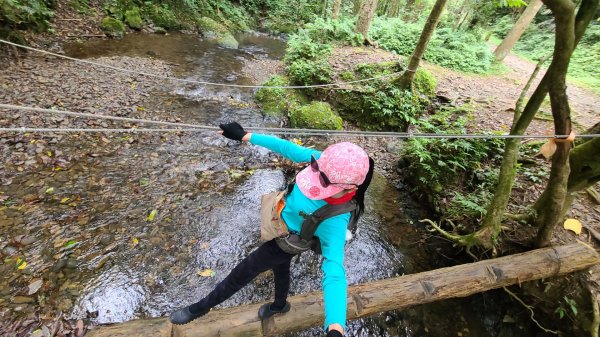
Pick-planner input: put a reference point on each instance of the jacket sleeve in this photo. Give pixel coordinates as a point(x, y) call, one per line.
point(332, 234)
point(290, 150)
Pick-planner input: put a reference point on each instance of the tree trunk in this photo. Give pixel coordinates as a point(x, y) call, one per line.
point(324, 9)
point(551, 202)
point(495, 211)
point(434, 17)
point(372, 297)
point(585, 167)
point(393, 9)
point(356, 6)
point(367, 11)
point(515, 33)
point(337, 4)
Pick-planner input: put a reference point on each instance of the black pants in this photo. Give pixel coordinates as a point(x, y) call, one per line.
point(267, 256)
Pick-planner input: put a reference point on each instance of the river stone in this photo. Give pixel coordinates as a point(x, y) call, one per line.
point(65, 304)
point(22, 299)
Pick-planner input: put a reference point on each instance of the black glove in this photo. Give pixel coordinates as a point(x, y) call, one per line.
point(233, 131)
point(334, 333)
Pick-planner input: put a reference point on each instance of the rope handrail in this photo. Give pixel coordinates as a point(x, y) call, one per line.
point(187, 127)
point(176, 79)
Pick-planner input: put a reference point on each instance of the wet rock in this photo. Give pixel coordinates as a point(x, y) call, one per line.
point(105, 239)
point(22, 299)
point(65, 304)
point(8, 250)
point(59, 265)
point(71, 264)
point(6, 222)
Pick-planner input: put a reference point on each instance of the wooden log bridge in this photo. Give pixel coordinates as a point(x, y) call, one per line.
point(373, 297)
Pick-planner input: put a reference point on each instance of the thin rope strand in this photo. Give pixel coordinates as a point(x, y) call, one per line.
point(194, 81)
point(198, 128)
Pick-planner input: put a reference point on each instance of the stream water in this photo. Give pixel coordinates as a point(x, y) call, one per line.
point(105, 261)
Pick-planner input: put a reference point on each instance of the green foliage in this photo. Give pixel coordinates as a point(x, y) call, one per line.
point(538, 41)
point(306, 72)
point(464, 51)
point(340, 31)
point(277, 101)
point(307, 60)
point(24, 14)
point(82, 6)
point(210, 28)
point(134, 19)
point(163, 16)
point(316, 115)
point(112, 27)
point(282, 16)
point(424, 84)
point(438, 165)
point(302, 47)
point(381, 104)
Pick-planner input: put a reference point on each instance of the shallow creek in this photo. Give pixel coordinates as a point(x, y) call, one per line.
point(106, 261)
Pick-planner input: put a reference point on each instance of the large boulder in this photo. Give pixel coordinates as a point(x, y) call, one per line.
point(316, 115)
point(133, 18)
point(112, 27)
point(211, 29)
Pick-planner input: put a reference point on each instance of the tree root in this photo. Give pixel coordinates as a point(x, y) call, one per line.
point(468, 241)
point(595, 324)
point(530, 311)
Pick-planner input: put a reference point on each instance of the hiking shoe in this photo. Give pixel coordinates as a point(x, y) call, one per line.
point(265, 310)
point(184, 315)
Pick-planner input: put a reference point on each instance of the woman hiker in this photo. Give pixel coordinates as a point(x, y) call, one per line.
point(340, 173)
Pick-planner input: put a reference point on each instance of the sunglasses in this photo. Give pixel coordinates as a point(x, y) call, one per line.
point(323, 179)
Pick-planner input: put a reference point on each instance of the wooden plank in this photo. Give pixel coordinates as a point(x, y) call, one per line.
point(155, 327)
point(394, 293)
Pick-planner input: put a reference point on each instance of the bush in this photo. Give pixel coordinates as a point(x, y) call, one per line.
point(304, 72)
point(134, 19)
point(276, 101)
point(381, 104)
point(340, 31)
point(163, 16)
point(316, 115)
point(112, 27)
point(307, 60)
point(462, 51)
point(19, 14)
point(302, 47)
point(439, 166)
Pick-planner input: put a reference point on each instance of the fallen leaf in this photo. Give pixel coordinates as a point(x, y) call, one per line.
point(548, 149)
point(152, 215)
point(64, 200)
point(21, 264)
point(206, 273)
point(135, 241)
point(70, 243)
point(50, 190)
point(35, 286)
point(573, 225)
point(49, 153)
point(79, 328)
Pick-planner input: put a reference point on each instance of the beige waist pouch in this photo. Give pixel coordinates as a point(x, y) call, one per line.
point(271, 224)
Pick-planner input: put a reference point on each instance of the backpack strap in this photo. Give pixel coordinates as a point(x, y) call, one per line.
point(312, 221)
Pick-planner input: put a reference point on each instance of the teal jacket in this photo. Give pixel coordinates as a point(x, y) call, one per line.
point(331, 232)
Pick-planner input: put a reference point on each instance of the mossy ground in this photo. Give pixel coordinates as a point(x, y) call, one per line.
point(316, 115)
point(112, 27)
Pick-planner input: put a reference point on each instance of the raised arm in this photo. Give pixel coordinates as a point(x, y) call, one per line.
point(290, 150)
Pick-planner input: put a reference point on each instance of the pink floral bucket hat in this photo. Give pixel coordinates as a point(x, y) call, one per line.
point(341, 166)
